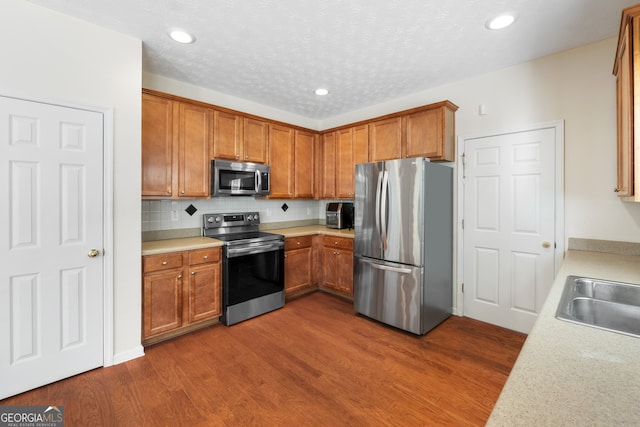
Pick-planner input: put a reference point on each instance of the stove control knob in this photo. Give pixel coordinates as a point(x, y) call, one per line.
point(256, 217)
point(218, 219)
point(210, 219)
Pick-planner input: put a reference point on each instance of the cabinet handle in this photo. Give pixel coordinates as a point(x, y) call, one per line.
point(164, 262)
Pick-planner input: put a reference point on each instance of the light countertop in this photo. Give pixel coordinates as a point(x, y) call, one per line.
point(311, 230)
point(182, 244)
point(571, 374)
point(187, 243)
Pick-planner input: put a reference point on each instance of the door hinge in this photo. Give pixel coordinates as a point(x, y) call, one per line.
point(463, 287)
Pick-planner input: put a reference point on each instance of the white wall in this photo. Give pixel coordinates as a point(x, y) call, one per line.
point(47, 55)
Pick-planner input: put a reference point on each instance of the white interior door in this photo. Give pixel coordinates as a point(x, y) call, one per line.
point(509, 226)
point(51, 283)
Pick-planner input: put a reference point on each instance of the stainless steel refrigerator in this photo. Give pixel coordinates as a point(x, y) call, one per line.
point(403, 248)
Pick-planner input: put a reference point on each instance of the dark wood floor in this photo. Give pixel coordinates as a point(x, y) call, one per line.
point(312, 363)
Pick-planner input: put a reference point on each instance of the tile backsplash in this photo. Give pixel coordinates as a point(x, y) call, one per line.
point(172, 214)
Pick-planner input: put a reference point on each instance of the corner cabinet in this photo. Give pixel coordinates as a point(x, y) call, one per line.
point(181, 292)
point(626, 68)
point(176, 145)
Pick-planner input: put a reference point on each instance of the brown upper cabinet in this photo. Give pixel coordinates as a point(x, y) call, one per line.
point(176, 144)
point(239, 138)
point(385, 139)
point(430, 133)
point(328, 181)
point(427, 131)
point(626, 68)
point(181, 136)
point(303, 165)
point(352, 147)
point(281, 160)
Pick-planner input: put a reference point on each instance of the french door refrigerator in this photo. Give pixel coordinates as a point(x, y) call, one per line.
point(403, 248)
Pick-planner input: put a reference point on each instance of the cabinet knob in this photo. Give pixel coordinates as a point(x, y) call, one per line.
point(164, 262)
point(193, 273)
point(206, 257)
point(298, 243)
point(182, 192)
point(616, 190)
point(179, 276)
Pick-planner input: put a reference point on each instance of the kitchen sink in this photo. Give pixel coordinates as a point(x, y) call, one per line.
point(603, 304)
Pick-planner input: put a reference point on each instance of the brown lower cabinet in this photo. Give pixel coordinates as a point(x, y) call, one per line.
point(181, 292)
point(318, 261)
point(338, 264)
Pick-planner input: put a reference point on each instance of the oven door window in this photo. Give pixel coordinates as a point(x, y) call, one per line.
point(253, 276)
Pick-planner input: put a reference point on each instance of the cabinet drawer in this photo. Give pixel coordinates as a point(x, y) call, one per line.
point(161, 261)
point(338, 242)
point(297, 242)
point(202, 256)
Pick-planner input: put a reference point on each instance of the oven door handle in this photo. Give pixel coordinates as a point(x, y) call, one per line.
point(252, 250)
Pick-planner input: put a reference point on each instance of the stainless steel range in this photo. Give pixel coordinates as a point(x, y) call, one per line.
point(252, 265)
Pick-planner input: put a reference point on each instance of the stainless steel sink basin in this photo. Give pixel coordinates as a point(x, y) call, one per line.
point(603, 304)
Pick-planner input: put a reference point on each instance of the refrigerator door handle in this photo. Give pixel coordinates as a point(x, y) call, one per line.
point(383, 208)
point(377, 207)
point(387, 267)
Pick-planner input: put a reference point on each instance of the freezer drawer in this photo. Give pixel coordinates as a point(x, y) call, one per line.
point(389, 292)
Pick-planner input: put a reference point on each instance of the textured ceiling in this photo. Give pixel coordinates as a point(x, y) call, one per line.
point(276, 52)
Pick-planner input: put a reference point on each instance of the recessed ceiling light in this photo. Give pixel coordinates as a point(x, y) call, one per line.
point(321, 91)
point(181, 36)
point(500, 22)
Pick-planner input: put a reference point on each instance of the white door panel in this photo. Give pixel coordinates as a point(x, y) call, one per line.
point(51, 293)
point(509, 214)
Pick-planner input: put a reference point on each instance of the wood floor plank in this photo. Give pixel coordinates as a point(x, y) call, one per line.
point(312, 363)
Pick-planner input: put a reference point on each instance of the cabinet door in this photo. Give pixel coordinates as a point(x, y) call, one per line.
point(430, 134)
point(344, 164)
point(385, 139)
point(304, 165)
point(194, 158)
point(157, 145)
point(329, 166)
point(281, 160)
point(345, 272)
point(624, 95)
point(204, 292)
point(297, 270)
point(330, 268)
point(161, 302)
point(227, 136)
point(255, 140)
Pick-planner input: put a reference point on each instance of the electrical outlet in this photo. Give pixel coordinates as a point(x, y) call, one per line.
point(174, 216)
point(269, 212)
point(308, 211)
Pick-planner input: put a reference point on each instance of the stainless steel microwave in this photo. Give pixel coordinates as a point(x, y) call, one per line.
point(239, 179)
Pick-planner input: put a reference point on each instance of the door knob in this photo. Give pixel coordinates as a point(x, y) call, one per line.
point(93, 253)
point(546, 245)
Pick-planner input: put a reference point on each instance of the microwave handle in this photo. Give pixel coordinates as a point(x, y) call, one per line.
point(258, 181)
